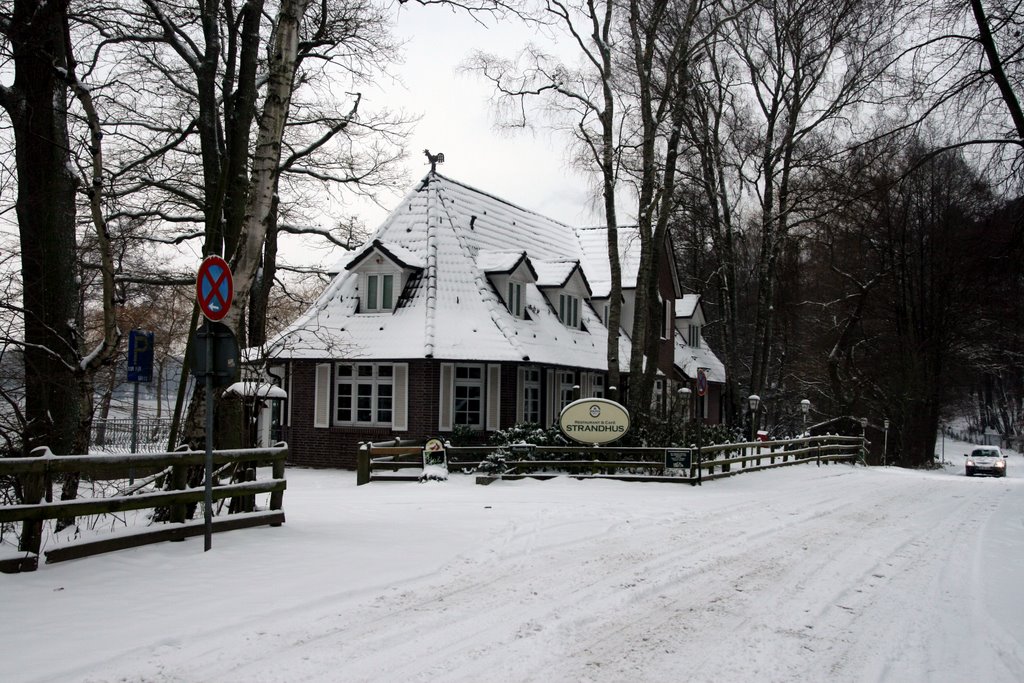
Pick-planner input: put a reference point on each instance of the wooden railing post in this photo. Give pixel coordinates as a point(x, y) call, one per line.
point(277, 472)
point(363, 464)
point(179, 480)
point(33, 490)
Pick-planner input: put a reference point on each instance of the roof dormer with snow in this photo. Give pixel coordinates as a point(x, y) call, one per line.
point(566, 289)
point(510, 273)
point(383, 273)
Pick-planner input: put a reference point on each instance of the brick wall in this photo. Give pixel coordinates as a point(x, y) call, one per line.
point(337, 446)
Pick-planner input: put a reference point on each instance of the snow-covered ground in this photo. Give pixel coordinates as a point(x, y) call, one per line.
point(837, 573)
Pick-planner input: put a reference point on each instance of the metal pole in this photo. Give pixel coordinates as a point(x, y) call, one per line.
point(700, 443)
point(135, 431)
point(208, 497)
point(885, 448)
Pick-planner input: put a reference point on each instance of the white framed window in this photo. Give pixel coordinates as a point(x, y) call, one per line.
point(531, 395)
point(380, 292)
point(693, 338)
point(667, 313)
point(569, 310)
point(566, 382)
point(597, 385)
point(515, 298)
point(364, 394)
point(469, 395)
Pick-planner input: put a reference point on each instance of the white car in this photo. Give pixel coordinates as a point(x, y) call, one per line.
point(985, 460)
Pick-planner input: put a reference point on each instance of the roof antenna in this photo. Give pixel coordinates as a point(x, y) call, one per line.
point(434, 159)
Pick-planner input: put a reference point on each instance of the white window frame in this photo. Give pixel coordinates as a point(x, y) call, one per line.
point(532, 404)
point(597, 385)
point(569, 310)
point(693, 336)
point(566, 384)
point(515, 298)
point(468, 383)
point(375, 382)
point(373, 284)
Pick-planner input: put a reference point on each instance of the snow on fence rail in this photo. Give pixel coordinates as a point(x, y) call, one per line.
point(627, 464)
point(36, 474)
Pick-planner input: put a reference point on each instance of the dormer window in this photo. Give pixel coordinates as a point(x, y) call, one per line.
point(384, 270)
point(569, 310)
point(515, 298)
point(380, 292)
point(694, 336)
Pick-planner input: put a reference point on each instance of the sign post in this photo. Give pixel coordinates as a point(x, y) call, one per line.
point(702, 390)
point(214, 291)
point(140, 369)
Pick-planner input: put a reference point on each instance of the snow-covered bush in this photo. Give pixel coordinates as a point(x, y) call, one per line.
point(495, 462)
point(531, 433)
point(674, 433)
point(434, 473)
point(463, 435)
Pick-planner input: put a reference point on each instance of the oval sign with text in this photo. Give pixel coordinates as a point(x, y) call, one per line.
point(594, 421)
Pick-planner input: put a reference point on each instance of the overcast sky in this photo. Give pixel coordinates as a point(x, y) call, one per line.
point(527, 169)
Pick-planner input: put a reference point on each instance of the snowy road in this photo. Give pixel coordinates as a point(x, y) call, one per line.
point(802, 574)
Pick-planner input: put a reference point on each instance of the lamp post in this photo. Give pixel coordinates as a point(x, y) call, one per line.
point(885, 447)
point(684, 400)
point(863, 438)
point(805, 407)
point(753, 401)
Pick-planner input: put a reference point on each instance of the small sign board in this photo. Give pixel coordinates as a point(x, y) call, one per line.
point(140, 356)
point(224, 363)
point(434, 454)
point(214, 288)
point(522, 450)
point(678, 458)
point(594, 421)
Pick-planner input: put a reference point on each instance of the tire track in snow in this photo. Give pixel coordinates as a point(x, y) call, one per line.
point(633, 597)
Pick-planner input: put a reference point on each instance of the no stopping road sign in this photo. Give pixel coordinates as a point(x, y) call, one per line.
point(214, 287)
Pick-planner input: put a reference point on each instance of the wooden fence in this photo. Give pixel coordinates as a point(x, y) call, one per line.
point(384, 461)
point(36, 474)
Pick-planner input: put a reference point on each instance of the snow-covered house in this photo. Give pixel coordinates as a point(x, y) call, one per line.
point(465, 311)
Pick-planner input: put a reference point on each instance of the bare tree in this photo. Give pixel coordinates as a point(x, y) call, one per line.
point(810, 66)
point(582, 101)
point(36, 105)
point(715, 125)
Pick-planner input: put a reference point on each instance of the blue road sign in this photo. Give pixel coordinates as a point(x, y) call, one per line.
point(140, 356)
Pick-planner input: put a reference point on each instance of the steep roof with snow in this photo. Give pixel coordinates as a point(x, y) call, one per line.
point(686, 305)
point(451, 237)
point(594, 254)
point(689, 358)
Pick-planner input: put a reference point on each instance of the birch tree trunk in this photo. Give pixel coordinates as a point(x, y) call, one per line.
point(267, 159)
